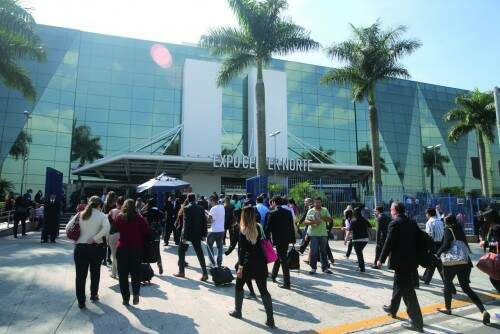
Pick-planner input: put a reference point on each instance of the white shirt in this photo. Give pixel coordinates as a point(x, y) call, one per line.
point(218, 214)
point(435, 229)
point(96, 227)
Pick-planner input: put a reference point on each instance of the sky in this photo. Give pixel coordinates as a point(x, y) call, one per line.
point(461, 38)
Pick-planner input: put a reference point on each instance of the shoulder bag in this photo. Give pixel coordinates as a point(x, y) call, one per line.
point(73, 232)
point(458, 254)
point(267, 247)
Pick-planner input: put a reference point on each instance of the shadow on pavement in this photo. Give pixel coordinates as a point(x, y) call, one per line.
point(165, 322)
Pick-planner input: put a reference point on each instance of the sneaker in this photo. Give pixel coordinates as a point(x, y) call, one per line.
point(312, 272)
point(328, 271)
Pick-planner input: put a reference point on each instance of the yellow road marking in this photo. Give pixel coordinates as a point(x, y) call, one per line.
point(385, 319)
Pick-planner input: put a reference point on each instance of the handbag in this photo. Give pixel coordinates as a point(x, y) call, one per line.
point(73, 232)
point(267, 247)
point(293, 259)
point(458, 254)
point(489, 264)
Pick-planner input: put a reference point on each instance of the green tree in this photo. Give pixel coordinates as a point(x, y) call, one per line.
point(84, 147)
point(5, 187)
point(434, 160)
point(305, 189)
point(365, 159)
point(262, 32)
point(474, 112)
point(371, 56)
point(18, 40)
point(20, 148)
point(321, 155)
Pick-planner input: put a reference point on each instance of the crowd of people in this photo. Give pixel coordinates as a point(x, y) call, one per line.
point(126, 234)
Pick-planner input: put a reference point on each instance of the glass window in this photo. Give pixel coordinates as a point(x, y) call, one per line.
point(96, 115)
point(118, 130)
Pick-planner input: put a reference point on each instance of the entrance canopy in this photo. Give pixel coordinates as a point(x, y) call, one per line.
point(135, 168)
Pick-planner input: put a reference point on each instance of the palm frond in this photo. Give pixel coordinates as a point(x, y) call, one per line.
point(245, 11)
point(233, 66)
point(226, 40)
point(348, 51)
point(12, 75)
point(404, 47)
point(458, 130)
point(290, 37)
point(396, 71)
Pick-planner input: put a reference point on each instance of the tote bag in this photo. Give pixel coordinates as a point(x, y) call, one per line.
point(267, 247)
point(489, 264)
point(458, 253)
point(74, 231)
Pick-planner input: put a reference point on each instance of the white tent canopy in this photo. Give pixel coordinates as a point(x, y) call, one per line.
point(164, 183)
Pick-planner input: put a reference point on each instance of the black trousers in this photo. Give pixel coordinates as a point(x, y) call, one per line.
point(199, 253)
point(463, 273)
point(261, 284)
point(87, 256)
point(129, 263)
point(282, 250)
point(349, 249)
point(169, 228)
point(177, 235)
point(49, 230)
point(358, 248)
point(378, 251)
point(403, 287)
point(429, 272)
point(17, 220)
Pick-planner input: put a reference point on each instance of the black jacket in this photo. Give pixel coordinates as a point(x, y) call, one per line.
point(51, 212)
point(382, 227)
point(170, 214)
point(359, 228)
point(252, 258)
point(279, 226)
point(448, 239)
point(195, 222)
point(401, 244)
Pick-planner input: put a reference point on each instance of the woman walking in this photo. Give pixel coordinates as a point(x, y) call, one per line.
point(359, 227)
point(94, 225)
point(154, 218)
point(109, 204)
point(491, 240)
point(252, 264)
point(114, 236)
point(453, 232)
point(347, 231)
point(133, 231)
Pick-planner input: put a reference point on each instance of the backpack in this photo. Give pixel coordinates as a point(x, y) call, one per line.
point(293, 259)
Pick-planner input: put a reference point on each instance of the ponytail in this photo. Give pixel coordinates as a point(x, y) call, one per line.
point(94, 203)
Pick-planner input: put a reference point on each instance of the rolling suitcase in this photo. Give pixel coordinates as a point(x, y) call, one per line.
point(220, 275)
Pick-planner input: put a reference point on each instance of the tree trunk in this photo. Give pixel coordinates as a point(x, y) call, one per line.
point(432, 181)
point(377, 179)
point(482, 164)
point(261, 123)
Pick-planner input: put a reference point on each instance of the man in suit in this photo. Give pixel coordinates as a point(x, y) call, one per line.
point(279, 228)
point(382, 225)
point(169, 219)
point(194, 230)
point(401, 248)
point(51, 212)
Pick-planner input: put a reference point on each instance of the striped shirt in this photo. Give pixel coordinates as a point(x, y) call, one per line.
point(435, 229)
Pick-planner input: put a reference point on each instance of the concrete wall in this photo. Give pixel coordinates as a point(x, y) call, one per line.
point(203, 184)
point(276, 113)
point(201, 109)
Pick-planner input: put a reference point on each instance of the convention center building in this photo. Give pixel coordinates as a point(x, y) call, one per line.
point(156, 108)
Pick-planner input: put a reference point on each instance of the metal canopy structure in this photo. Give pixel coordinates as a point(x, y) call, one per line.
point(135, 168)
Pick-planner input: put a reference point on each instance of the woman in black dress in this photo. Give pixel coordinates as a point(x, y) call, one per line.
point(252, 264)
point(453, 231)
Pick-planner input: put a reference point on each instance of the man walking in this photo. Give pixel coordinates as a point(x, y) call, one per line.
point(316, 219)
point(169, 220)
point(51, 212)
point(435, 229)
point(279, 228)
point(194, 230)
point(383, 221)
point(263, 210)
point(401, 246)
point(216, 216)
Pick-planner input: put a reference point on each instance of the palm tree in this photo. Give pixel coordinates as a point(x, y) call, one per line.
point(475, 111)
point(319, 155)
point(365, 159)
point(20, 148)
point(18, 40)
point(434, 160)
point(5, 187)
point(372, 55)
point(84, 147)
point(262, 32)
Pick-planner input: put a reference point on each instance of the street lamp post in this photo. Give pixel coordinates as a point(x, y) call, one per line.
point(273, 135)
point(27, 114)
point(434, 149)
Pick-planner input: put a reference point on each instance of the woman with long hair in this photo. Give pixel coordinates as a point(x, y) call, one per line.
point(94, 225)
point(453, 231)
point(360, 236)
point(252, 264)
point(491, 240)
point(154, 217)
point(133, 231)
point(109, 204)
point(114, 236)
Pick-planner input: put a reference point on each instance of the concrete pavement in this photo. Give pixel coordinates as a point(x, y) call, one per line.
point(37, 296)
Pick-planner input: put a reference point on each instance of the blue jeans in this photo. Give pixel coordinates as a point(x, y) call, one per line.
point(318, 248)
point(218, 238)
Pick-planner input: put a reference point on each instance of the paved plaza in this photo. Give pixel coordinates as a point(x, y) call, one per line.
point(37, 296)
